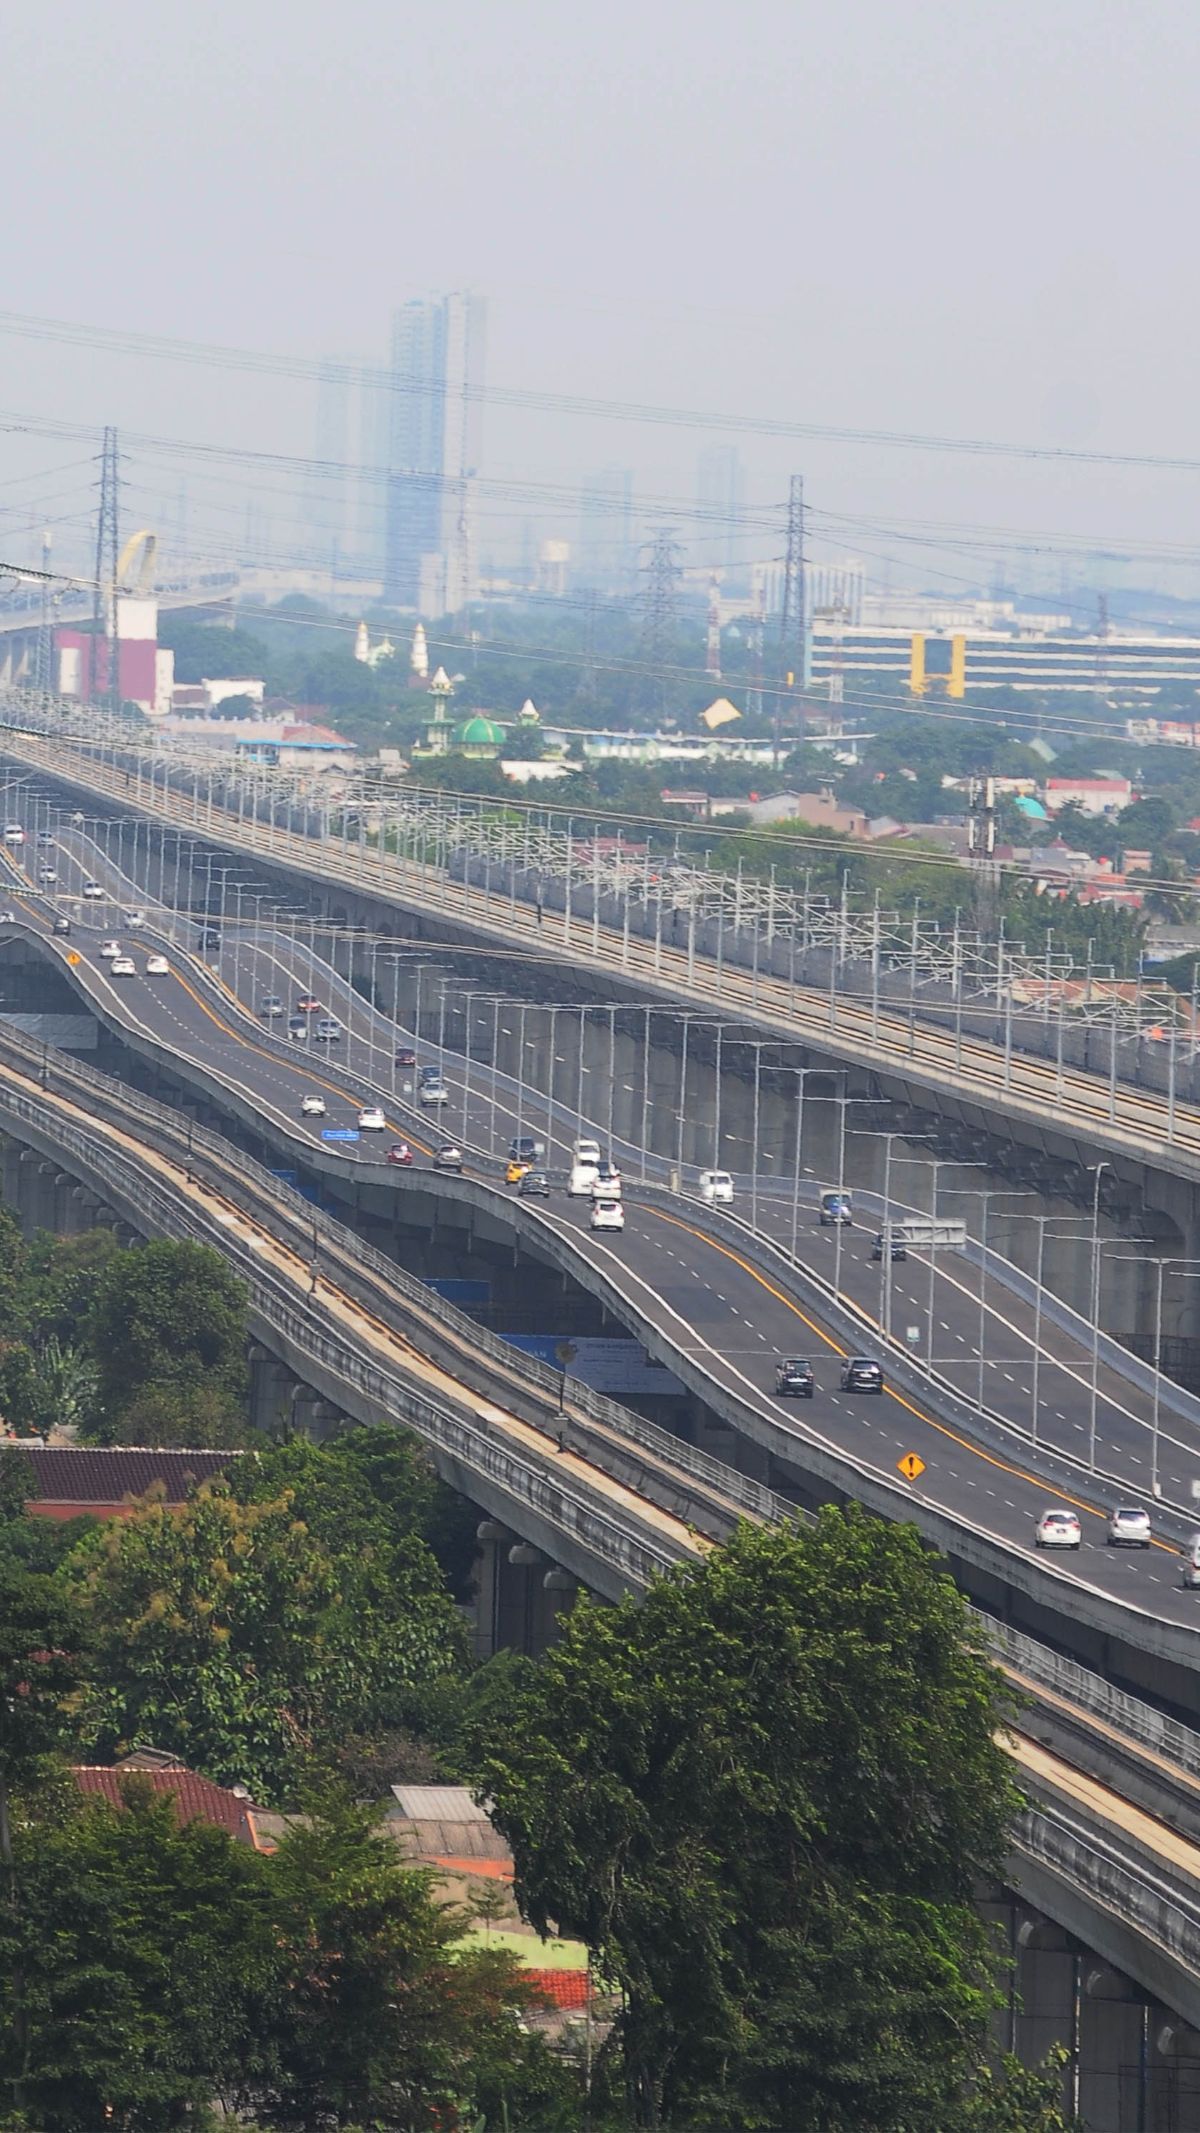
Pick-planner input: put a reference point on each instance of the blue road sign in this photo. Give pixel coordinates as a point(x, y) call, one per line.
point(339, 1133)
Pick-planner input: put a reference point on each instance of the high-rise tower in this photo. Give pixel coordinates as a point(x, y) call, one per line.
point(434, 435)
point(720, 499)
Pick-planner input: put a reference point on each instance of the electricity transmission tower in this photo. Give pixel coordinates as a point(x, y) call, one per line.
point(104, 598)
point(659, 619)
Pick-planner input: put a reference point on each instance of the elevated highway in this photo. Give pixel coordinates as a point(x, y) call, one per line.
point(1115, 1865)
point(1042, 1100)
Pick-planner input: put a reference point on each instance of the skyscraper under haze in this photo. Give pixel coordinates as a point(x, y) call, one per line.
point(720, 495)
point(434, 433)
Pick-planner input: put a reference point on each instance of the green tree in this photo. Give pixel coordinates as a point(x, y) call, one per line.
point(137, 1977)
point(234, 1635)
point(184, 1416)
point(761, 1799)
point(167, 1314)
point(387, 2019)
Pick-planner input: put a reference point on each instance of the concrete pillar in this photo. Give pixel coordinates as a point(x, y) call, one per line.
point(518, 1622)
point(1048, 1992)
point(560, 1589)
point(1112, 2059)
point(492, 1537)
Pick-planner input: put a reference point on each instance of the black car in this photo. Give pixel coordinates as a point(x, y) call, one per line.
point(210, 939)
point(899, 1249)
point(62, 926)
point(525, 1149)
point(861, 1373)
point(794, 1380)
point(405, 1056)
point(535, 1185)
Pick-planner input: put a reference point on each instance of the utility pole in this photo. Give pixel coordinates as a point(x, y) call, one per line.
point(105, 621)
point(659, 614)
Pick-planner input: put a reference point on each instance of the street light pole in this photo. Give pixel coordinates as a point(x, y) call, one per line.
point(1095, 1389)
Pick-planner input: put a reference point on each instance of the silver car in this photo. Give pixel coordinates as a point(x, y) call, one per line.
point(1129, 1527)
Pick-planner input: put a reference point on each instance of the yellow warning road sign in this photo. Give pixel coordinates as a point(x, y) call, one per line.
point(911, 1466)
point(74, 956)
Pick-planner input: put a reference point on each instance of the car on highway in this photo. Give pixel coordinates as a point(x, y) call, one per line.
point(861, 1373)
point(45, 840)
point(606, 1187)
point(716, 1188)
point(297, 1026)
point(210, 941)
point(515, 1170)
point(525, 1149)
point(109, 949)
point(371, 1119)
point(607, 1214)
point(534, 1185)
point(898, 1248)
point(587, 1151)
point(135, 918)
point(270, 1006)
point(8, 918)
point(62, 927)
point(835, 1208)
point(1129, 1527)
point(400, 1154)
point(1190, 1565)
point(47, 875)
point(13, 833)
point(93, 893)
point(312, 1107)
point(157, 966)
point(306, 1005)
point(431, 1093)
point(449, 1157)
point(430, 1073)
point(794, 1379)
point(123, 966)
point(329, 1030)
point(581, 1180)
point(1057, 1528)
point(405, 1055)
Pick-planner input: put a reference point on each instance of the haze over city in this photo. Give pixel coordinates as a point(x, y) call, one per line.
point(944, 221)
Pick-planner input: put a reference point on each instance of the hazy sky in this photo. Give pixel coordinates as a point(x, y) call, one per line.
point(968, 219)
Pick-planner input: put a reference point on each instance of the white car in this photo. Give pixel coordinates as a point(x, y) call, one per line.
point(8, 918)
point(157, 966)
point(123, 966)
point(13, 833)
point(1129, 1527)
point(372, 1120)
point(433, 1092)
point(587, 1152)
point(607, 1214)
point(93, 891)
point(312, 1107)
point(46, 875)
point(110, 949)
point(716, 1187)
point(1058, 1529)
point(583, 1177)
point(608, 1184)
point(135, 918)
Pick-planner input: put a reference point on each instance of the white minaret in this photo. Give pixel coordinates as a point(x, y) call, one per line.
point(419, 656)
point(362, 644)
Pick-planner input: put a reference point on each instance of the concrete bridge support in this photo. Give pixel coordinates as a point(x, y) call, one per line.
point(521, 1597)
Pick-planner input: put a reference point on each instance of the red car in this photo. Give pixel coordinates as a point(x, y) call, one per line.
point(406, 1056)
point(307, 1005)
point(400, 1153)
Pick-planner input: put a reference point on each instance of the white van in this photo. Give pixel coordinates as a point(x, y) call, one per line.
point(716, 1186)
point(587, 1152)
point(1191, 1563)
point(584, 1173)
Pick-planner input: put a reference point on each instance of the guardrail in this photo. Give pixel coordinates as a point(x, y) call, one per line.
point(1090, 1692)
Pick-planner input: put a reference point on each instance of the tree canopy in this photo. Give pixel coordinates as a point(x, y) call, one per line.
point(761, 1798)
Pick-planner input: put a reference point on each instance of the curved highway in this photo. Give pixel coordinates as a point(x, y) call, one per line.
point(711, 1309)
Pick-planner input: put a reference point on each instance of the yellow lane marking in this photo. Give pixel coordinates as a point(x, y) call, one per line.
point(942, 1428)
